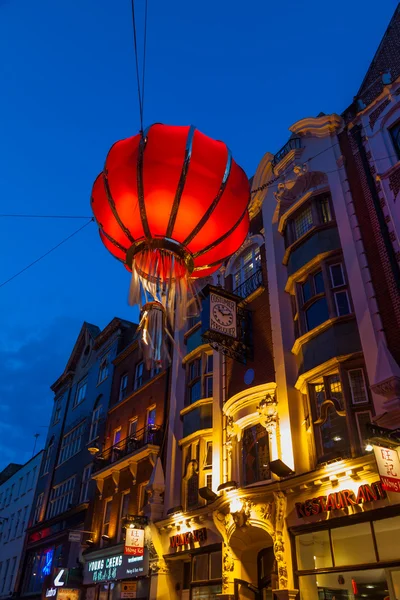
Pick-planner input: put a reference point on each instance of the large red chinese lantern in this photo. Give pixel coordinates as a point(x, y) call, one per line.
point(171, 205)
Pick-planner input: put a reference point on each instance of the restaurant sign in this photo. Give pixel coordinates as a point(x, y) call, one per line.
point(134, 542)
point(118, 566)
point(340, 500)
point(185, 539)
point(388, 462)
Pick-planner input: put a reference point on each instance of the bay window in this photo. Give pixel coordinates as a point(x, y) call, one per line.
point(316, 211)
point(200, 378)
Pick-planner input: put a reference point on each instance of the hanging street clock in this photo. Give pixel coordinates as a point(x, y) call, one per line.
point(226, 325)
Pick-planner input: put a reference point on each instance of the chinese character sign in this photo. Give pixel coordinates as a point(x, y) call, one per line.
point(134, 542)
point(388, 462)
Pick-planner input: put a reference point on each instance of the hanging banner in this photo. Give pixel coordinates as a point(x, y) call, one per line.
point(388, 462)
point(134, 542)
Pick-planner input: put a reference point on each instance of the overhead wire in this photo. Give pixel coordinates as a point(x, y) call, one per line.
point(24, 216)
point(91, 219)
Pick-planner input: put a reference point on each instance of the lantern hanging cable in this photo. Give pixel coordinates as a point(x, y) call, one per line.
point(140, 84)
point(91, 220)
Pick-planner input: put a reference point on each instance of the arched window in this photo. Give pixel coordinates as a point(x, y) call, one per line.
point(255, 454)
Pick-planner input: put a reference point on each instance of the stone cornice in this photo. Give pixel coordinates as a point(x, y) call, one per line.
point(320, 127)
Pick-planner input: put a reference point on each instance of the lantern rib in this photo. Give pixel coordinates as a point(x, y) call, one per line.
point(214, 203)
point(112, 241)
point(112, 206)
point(182, 181)
point(140, 188)
point(222, 238)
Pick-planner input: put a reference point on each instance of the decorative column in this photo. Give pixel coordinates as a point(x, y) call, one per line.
point(281, 554)
point(160, 588)
point(268, 411)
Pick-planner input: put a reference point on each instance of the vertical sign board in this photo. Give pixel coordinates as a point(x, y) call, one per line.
point(388, 462)
point(134, 542)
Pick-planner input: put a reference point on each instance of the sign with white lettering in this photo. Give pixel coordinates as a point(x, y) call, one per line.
point(134, 541)
point(75, 536)
point(128, 590)
point(340, 500)
point(117, 566)
point(388, 462)
point(60, 577)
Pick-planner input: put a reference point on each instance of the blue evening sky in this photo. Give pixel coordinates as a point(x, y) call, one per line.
point(242, 72)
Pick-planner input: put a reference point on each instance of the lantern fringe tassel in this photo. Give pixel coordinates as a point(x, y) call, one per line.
point(165, 293)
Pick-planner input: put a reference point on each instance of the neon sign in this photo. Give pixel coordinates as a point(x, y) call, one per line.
point(46, 569)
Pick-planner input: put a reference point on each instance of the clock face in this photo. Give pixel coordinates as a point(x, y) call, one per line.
point(223, 314)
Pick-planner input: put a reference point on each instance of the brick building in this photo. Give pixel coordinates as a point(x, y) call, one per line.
point(128, 473)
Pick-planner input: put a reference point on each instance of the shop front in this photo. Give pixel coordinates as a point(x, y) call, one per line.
point(109, 574)
point(192, 551)
point(346, 538)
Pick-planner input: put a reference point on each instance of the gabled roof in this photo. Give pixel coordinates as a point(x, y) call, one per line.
point(386, 59)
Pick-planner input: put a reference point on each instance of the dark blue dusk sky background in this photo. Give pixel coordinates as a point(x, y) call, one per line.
point(242, 72)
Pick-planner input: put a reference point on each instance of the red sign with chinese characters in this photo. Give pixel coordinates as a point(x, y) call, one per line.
point(134, 542)
point(388, 462)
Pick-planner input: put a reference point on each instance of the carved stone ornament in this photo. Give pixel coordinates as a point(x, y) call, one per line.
point(228, 565)
point(279, 546)
point(265, 511)
point(268, 411)
point(298, 184)
point(158, 567)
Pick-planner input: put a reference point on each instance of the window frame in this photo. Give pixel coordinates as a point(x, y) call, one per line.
point(202, 377)
point(241, 264)
point(94, 424)
point(124, 494)
point(62, 500)
point(38, 508)
point(103, 368)
point(85, 483)
point(107, 502)
point(395, 139)
point(81, 384)
point(57, 410)
point(73, 447)
point(354, 403)
point(122, 396)
point(138, 378)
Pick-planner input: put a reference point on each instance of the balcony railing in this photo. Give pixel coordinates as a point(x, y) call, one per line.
point(250, 285)
point(151, 435)
point(292, 144)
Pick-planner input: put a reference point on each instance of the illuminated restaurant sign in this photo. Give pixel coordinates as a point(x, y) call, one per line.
point(388, 462)
point(340, 500)
point(134, 542)
point(184, 539)
point(118, 566)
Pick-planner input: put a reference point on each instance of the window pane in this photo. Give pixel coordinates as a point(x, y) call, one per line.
point(317, 313)
point(370, 584)
point(387, 534)
point(335, 387)
point(207, 592)
point(306, 290)
point(337, 275)
point(209, 363)
point(313, 551)
point(195, 392)
point(342, 303)
point(361, 549)
point(216, 565)
point(319, 391)
point(357, 386)
point(303, 222)
point(255, 454)
point(200, 567)
point(186, 576)
point(209, 387)
point(326, 215)
point(334, 435)
point(395, 133)
point(362, 419)
point(208, 461)
point(319, 282)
